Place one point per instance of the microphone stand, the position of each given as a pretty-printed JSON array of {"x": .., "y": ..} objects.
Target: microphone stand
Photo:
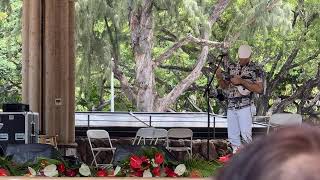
[{"x": 207, "y": 95}]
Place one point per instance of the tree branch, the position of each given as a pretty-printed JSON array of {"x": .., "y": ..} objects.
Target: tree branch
[
  {"x": 313, "y": 17},
  {"x": 170, "y": 34},
  {"x": 128, "y": 90},
  {"x": 275, "y": 64},
  {"x": 189, "y": 38},
  {"x": 283, "y": 72},
  {"x": 295, "y": 17},
  {"x": 313, "y": 56},
  {"x": 179, "y": 68},
  {"x": 205, "y": 70},
  {"x": 101, "y": 105},
  {"x": 313, "y": 101},
  {"x": 5, "y": 88},
  {"x": 164, "y": 102},
  {"x": 298, "y": 93},
  {"x": 194, "y": 105}
]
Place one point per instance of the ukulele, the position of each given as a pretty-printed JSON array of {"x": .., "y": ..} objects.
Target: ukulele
[
  {"x": 226, "y": 76},
  {"x": 241, "y": 89}
]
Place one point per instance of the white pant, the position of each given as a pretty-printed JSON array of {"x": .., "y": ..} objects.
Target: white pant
[{"x": 239, "y": 122}]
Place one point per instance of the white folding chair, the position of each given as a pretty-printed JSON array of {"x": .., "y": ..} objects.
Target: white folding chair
[
  {"x": 159, "y": 134},
  {"x": 284, "y": 119},
  {"x": 99, "y": 134},
  {"x": 180, "y": 133},
  {"x": 144, "y": 133}
]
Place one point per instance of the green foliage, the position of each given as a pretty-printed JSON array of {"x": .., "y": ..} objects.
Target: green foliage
[
  {"x": 269, "y": 31},
  {"x": 10, "y": 51},
  {"x": 252, "y": 18},
  {"x": 206, "y": 168},
  {"x": 103, "y": 32}
]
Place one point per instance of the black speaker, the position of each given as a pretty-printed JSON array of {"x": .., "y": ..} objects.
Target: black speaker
[{"x": 15, "y": 107}]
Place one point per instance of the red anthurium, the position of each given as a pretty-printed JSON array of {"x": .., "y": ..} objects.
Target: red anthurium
[
  {"x": 156, "y": 171},
  {"x": 158, "y": 158},
  {"x": 144, "y": 159},
  {"x": 61, "y": 168},
  {"x": 224, "y": 159},
  {"x": 4, "y": 172},
  {"x": 70, "y": 172},
  {"x": 135, "y": 162},
  {"x": 145, "y": 163},
  {"x": 102, "y": 173},
  {"x": 170, "y": 172}
]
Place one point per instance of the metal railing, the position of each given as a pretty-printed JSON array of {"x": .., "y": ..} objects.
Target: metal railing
[{"x": 141, "y": 119}]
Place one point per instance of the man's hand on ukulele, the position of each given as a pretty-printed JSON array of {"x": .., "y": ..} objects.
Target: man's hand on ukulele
[{"x": 236, "y": 80}]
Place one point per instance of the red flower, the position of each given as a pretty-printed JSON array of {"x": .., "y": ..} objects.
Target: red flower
[
  {"x": 170, "y": 172},
  {"x": 138, "y": 173},
  {"x": 135, "y": 162},
  {"x": 101, "y": 173},
  {"x": 224, "y": 159},
  {"x": 158, "y": 158},
  {"x": 145, "y": 163},
  {"x": 61, "y": 168},
  {"x": 70, "y": 172},
  {"x": 4, "y": 172},
  {"x": 144, "y": 159},
  {"x": 156, "y": 171}
]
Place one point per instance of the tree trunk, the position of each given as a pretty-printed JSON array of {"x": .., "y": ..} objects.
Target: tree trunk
[
  {"x": 141, "y": 24},
  {"x": 262, "y": 105}
]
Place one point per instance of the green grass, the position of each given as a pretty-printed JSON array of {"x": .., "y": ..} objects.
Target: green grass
[{"x": 206, "y": 168}]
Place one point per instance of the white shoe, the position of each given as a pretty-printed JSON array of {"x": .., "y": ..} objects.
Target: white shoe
[{"x": 234, "y": 149}]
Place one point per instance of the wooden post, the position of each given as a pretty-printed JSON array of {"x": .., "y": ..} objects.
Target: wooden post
[
  {"x": 48, "y": 79},
  {"x": 25, "y": 51},
  {"x": 72, "y": 65}
]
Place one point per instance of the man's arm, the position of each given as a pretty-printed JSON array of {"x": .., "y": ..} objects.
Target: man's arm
[
  {"x": 222, "y": 83},
  {"x": 256, "y": 87}
]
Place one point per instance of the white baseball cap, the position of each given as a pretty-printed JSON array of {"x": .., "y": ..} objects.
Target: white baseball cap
[{"x": 244, "y": 51}]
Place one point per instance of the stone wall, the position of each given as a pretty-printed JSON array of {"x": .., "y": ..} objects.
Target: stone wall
[{"x": 199, "y": 148}]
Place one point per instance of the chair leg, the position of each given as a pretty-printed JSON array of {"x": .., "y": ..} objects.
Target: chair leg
[
  {"x": 189, "y": 153},
  {"x": 139, "y": 141},
  {"x": 95, "y": 158},
  {"x": 134, "y": 140},
  {"x": 112, "y": 156}
]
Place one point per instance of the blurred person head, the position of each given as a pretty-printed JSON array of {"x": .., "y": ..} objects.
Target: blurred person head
[
  {"x": 244, "y": 53},
  {"x": 290, "y": 153}
]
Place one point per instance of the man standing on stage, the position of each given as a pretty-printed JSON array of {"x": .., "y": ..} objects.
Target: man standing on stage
[{"x": 240, "y": 81}]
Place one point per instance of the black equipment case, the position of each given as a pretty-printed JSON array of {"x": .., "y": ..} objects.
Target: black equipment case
[{"x": 19, "y": 128}]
